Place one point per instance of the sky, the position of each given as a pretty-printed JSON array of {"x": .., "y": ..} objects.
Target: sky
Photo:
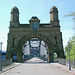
[{"x": 39, "y": 8}]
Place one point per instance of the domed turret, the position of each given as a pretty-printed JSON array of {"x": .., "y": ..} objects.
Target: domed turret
[
  {"x": 53, "y": 9},
  {"x": 14, "y": 16},
  {"x": 15, "y": 10},
  {"x": 54, "y": 14}
]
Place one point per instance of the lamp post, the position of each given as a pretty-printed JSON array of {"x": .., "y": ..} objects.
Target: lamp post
[
  {"x": 1, "y": 55},
  {"x": 69, "y": 55}
]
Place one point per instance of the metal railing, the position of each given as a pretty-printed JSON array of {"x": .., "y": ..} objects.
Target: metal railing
[
  {"x": 66, "y": 62},
  {"x": 5, "y": 63}
]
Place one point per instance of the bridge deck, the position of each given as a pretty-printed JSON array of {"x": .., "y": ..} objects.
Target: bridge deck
[{"x": 39, "y": 69}]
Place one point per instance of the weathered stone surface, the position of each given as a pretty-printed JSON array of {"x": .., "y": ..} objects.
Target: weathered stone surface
[{"x": 49, "y": 33}]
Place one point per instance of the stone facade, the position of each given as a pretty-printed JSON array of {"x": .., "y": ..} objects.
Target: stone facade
[{"x": 48, "y": 32}]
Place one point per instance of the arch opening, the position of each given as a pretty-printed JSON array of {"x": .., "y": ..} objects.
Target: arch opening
[
  {"x": 34, "y": 50},
  {"x": 40, "y": 37},
  {"x": 56, "y": 56}
]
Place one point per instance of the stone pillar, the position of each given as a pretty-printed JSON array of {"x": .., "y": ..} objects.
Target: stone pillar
[
  {"x": 30, "y": 47},
  {"x": 50, "y": 57},
  {"x": 19, "y": 57}
]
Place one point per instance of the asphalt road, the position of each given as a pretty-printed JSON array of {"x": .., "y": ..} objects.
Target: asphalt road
[{"x": 36, "y": 69}]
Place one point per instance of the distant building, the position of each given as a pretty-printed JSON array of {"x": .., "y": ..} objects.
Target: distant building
[{"x": 3, "y": 55}]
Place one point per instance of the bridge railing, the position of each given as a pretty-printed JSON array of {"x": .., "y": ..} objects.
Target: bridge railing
[
  {"x": 66, "y": 62},
  {"x": 5, "y": 62}
]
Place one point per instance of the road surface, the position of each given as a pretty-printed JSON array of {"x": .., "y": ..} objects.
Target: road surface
[{"x": 36, "y": 69}]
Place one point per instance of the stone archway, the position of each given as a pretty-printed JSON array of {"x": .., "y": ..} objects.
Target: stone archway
[
  {"x": 35, "y": 35},
  {"x": 48, "y": 32}
]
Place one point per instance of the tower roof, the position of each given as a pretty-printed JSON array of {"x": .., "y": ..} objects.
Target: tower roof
[
  {"x": 34, "y": 17},
  {"x": 15, "y": 10},
  {"x": 53, "y": 9}
]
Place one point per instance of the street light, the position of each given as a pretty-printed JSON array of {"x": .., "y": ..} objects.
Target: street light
[
  {"x": 1, "y": 55},
  {"x": 69, "y": 55}
]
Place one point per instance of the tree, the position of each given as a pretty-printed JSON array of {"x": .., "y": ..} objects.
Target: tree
[
  {"x": 72, "y": 49},
  {"x": 72, "y": 14},
  {"x": 72, "y": 40}
]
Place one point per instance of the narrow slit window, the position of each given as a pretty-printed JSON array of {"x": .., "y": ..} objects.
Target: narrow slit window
[
  {"x": 13, "y": 41},
  {"x": 55, "y": 40}
]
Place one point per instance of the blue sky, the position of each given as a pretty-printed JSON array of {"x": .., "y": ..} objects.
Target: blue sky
[{"x": 39, "y": 8}]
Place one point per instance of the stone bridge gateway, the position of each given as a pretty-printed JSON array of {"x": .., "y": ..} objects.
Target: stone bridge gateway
[{"x": 48, "y": 32}]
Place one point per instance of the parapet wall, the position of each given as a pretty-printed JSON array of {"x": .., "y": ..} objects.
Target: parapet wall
[{"x": 66, "y": 62}]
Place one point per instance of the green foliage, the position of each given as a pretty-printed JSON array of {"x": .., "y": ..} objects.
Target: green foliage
[
  {"x": 72, "y": 14},
  {"x": 55, "y": 56},
  {"x": 66, "y": 51},
  {"x": 72, "y": 49}
]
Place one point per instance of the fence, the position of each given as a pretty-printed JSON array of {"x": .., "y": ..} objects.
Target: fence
[
  {"x": 5, "y": 62},
  {"x": 66, "y": 62}
]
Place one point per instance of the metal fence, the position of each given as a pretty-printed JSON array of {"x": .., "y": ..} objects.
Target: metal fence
[
  {"x": 66, "y": 62},
  {"x": 5, "y": 62}
]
